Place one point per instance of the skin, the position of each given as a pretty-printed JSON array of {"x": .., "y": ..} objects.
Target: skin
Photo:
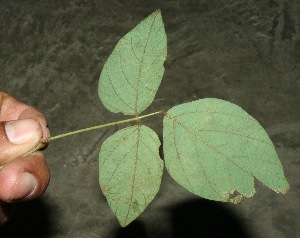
[{"x": 17, "y": 167}]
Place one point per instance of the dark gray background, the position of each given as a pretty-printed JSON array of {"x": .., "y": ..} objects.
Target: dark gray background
[{"x": 243, "y": 51}]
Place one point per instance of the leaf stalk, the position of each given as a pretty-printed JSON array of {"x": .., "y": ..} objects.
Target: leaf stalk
[{"x": 103, "y": 126}]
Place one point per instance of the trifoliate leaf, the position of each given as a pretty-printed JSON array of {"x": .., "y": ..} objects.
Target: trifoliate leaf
[
  {"x": 133, "y": 72},
  {"x": 130, "y": 171},
  {"x": 215, "y": 149}
]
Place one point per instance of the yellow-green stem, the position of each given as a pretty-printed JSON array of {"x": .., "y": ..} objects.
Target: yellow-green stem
[{"x": 103, "y": 126}]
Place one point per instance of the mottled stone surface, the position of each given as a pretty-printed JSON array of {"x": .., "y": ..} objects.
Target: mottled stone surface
[{"x": 246, "y": 52}]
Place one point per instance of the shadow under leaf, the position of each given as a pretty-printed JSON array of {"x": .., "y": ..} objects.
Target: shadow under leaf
[{"x": 204, "y": 218}]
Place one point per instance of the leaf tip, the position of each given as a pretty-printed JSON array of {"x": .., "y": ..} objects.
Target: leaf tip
[
  {"x": 283, "y": 190},
  {"x": 158, "y": 11},
  {"x": 123, "y": 224},
  {"x": 236, "y": 197}
]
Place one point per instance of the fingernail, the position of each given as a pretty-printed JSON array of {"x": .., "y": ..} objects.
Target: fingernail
[
  {"x": 25, "y": 186},
  {"x": 22, "y": 131}
]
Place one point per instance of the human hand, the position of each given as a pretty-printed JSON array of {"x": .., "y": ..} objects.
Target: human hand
[{"x": 22, "y": 177}]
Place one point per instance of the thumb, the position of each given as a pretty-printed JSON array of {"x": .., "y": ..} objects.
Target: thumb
[{"x": 18, "y": 137}]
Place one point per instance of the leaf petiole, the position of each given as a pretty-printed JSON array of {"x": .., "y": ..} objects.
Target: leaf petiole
[{"x": 104, "y": 125}]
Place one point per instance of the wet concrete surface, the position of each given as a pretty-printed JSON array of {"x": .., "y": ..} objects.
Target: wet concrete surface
[{"x": 246, "y": 52}]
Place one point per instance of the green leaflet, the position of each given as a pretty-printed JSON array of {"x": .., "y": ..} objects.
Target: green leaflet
[
  {"x": 133, "y": 72},
  {"x": 214, "y": 148},
  {"x": 130, "y": 171}
]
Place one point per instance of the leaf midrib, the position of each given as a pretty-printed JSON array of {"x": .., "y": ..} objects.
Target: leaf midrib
[{"x": 141, "y": 66}]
